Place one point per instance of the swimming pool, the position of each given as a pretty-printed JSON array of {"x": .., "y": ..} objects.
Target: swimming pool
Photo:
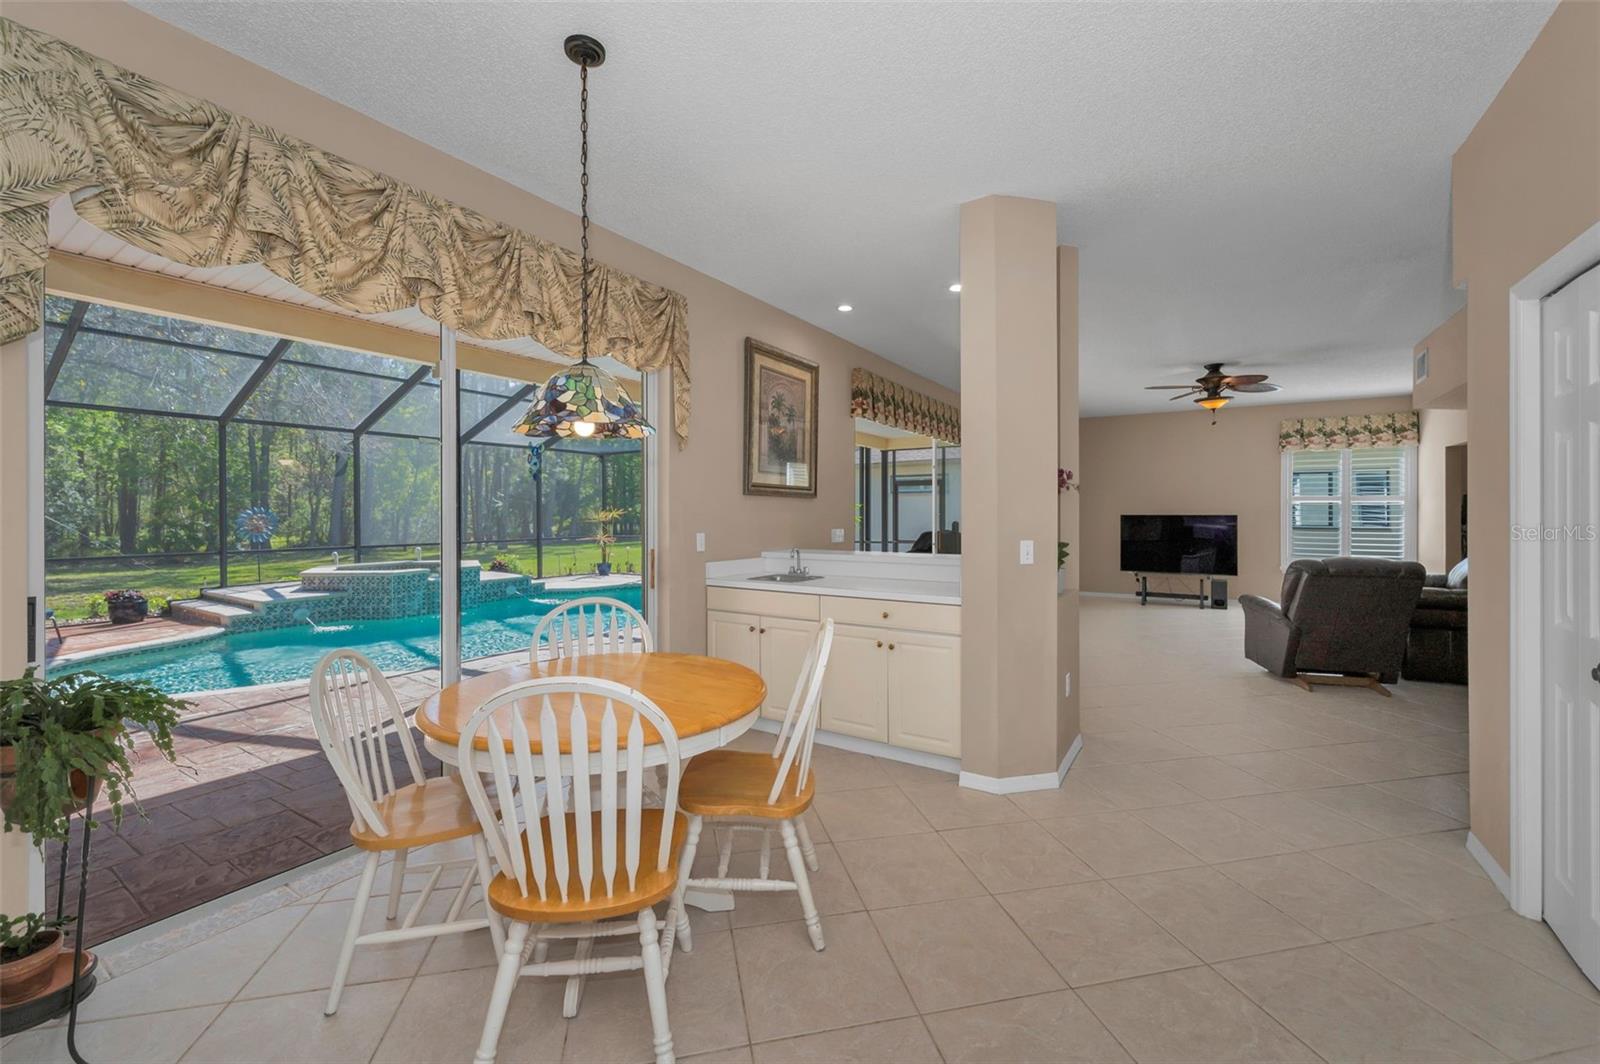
[{"x": 278, "y": 655}]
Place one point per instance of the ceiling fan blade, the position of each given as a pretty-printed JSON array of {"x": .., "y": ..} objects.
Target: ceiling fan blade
[
  {"x": 1257, "y": 387},
  {"x": 1165, "y": 387},
  {"x": 1244, "y": 378},
  {"x": 1185, "y": 395}
]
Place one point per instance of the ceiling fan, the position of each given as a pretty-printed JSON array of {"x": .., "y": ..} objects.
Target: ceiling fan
[{"x": 1208, "y": 390}]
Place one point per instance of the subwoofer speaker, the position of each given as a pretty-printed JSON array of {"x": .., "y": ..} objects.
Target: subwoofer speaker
[{"x": 1219, "y": 594}]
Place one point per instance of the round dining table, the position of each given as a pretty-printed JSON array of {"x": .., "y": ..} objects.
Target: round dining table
[{"x": 710, "y": 702}]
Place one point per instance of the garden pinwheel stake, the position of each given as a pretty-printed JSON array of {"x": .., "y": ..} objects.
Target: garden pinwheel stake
[{"x": 254, "y": 527}]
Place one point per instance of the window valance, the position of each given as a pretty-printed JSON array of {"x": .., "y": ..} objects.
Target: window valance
[
  {"x": 1357, "y": 430},
  {"x": 180, "y": 177},
  {"x": 882, "y": 400}
]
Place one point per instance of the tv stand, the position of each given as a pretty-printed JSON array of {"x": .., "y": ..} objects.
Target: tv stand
[{"x": 1145, "y": 594}]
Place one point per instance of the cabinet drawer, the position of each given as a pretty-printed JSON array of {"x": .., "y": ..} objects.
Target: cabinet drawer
[
  {"x": 885, "y": 613},
  {"x": 766, "y": 603}
]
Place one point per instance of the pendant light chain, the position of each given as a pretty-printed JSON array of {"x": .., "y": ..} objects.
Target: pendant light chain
[{"x": 583, "y": 159}]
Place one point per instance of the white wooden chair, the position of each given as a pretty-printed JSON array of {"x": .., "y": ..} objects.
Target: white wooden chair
[
  {"x": 747, "y": 791},
  {"x": 572, "y": 873},
  {"x": 592, "y": 626},
  {"x": 355, "y": 711}
]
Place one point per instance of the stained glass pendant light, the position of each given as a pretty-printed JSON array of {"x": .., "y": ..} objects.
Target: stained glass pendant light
[{"x": 583, "y": 400}]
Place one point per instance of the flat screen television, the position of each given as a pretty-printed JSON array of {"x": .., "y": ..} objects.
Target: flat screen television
[{"x": 1202, "y": 544}]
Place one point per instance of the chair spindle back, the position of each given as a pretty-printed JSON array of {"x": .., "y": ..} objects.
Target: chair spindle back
[
  {"x": 592, "y": 626},
  {"x": 354, "y": 711},
  {"x": 527, "y": 822},
  {"x": 799, "y": 731}
]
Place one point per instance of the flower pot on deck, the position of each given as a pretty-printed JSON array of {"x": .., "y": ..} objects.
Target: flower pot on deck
[
  {"x": 127, "y": 612},
  {"x": 22, "y": 978},
  {"x": 603, "y": 568}
]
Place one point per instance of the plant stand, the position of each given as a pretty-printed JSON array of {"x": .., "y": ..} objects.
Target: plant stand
[{"x": 64, "y": 991}]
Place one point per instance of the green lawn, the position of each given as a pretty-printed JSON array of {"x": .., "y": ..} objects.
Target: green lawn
[{"x": 73, "y": 590}]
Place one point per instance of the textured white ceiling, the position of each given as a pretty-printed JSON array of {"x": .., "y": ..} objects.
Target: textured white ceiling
[{"x": 1265, "y": 185}]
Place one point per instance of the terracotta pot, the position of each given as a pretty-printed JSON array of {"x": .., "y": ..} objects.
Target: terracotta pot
[
  {"x": 8, "y": 770},
  {"x": 24, "y": 977}
]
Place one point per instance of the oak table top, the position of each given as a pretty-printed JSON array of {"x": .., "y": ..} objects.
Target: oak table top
[{"x": 700, "y": 695}]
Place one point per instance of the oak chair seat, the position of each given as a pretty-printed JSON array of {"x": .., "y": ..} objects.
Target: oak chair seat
[
  {"x": 737, "y": 783},
  {"x": 651, "y": 885},
  {"x": 420, "y": 814}
]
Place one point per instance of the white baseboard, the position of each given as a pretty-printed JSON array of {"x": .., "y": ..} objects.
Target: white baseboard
[
  {"x": 875, "y": 749},
  {"x": 1040, "y": 781},
  {"x": 1491, "y": 867}
]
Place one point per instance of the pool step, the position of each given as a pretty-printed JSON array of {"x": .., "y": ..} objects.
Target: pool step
[{"x": 208, "y": 611}]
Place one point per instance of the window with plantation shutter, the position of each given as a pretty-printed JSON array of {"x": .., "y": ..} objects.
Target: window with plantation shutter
[{"x": 1358, "y": 502}]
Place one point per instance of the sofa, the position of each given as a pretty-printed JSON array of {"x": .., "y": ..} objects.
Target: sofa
[
  {"x": 1436, "y": 647},
  {"x": 1339, "y": 620}
]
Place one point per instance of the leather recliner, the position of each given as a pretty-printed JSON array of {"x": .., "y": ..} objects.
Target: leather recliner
[
  {"x": 1340, "y": 616},
  {"x": 1436, "y": 648}
]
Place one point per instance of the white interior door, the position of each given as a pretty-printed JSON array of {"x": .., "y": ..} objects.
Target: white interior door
[{"x": 1570, "y": 577}]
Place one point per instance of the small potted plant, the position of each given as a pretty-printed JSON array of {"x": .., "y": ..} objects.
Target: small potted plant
[
  {"x": 502, "y": 565},
  {"x": 603, "y": 520},
  {"x": 126, "y": 606},
  {"x": 57, "y": 735},
  {"x": 29, "y": 945}
]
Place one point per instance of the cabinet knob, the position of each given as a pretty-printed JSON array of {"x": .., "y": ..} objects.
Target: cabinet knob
[
  {"x": 763, "y": 631},
  {"x": 880, "y": 642},
  {"x": 891, "y": 646},
  {"x": 886, "y": 615},
  {"x": 752, "y": 627}
]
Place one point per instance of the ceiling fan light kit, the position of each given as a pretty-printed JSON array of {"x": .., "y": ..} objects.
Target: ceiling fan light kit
[{"x": 1209, "y": 388}]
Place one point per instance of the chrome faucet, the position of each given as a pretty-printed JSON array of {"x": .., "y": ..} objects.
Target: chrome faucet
[{"x": 797, "y": 569}]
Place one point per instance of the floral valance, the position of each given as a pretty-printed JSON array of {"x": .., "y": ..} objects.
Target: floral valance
[
  {"x": 1357, "y": 430},
  {"x": 882, "y": 400},
  {"x": 185, "y": 179}
]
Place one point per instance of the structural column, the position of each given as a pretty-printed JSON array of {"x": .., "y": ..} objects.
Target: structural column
[
  {"x": 1018, "y": 386},
  {"x": 21, "y": 572}
]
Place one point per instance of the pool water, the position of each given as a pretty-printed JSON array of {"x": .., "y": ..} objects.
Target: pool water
[{"x": 402, "y": 644}]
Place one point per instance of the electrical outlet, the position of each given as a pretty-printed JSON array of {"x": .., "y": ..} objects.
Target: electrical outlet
[
  {"x": 1067, "y": 687},
  {"x": 837, "y": 535},
  {"x": 1027, "y": 552},
  {"x": 700, "y": 542}
]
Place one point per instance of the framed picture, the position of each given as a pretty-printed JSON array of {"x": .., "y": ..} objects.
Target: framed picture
[{"x": 780, "y": 422}]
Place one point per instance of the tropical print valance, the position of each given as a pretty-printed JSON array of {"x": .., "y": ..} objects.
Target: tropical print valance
[
  {"x": 1357, "y": 430},
  {"x": 882, "y": 400},
  {"x": 181, "y": 177}
]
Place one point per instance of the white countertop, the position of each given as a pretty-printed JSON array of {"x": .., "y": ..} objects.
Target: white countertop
[{"x": 850, "y": 574}]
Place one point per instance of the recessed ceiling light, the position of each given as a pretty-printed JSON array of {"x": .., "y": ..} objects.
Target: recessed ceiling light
[
  {"x": 956, "y": 287},
  {"x": 845, "y": 308}
]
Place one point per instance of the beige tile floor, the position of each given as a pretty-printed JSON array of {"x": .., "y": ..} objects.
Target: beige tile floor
[{"x": 1234, "y": 870}]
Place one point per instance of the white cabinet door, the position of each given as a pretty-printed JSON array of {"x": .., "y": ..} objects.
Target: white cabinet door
[
  {"x": 734, "y": 636},
  {"x": 925, "y": 692},
  {"x": 1570, "y": 561},
  {"x": 855, "y": 689},
  {"x": 784, "y": 643}
]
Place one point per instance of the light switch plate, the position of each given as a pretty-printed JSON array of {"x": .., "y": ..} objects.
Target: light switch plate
[
  {"x": 1026, "y": 552},
  {"x": 1067, "y": 686},
  {"x": 700, "y": 542},
  {"x": 837, "y": 535}
]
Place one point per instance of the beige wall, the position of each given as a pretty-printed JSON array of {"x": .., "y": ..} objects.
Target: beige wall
[
  {"x": 1446, "y": 386},
  {"x": 1181, "y": 463},
  {"x": 701, "y": 485},
  {"x": 1524, "y": 185},
  {"x": 1438, "y": 494}
]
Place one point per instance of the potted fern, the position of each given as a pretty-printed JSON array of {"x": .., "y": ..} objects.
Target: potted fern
[
  {"x": 58, "y": 735},
  {"x": 29, "y": 945}
]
